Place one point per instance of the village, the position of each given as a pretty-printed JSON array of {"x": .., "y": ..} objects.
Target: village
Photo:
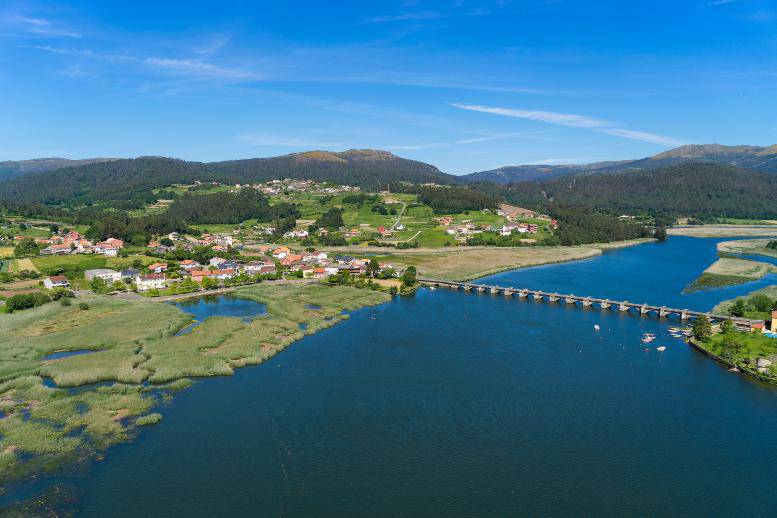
[{"x": 223, "y": 262}]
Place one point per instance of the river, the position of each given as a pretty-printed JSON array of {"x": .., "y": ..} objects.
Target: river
[{"x": 452, "y": 403}]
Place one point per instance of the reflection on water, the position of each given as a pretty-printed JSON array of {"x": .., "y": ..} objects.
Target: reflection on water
[{"x": 218, "y": 306}]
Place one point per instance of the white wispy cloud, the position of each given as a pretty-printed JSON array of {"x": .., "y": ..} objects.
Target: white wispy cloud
[
  {"x": 406, "y": 17},
  {"x": 721, "y": 2},
  {"x": 267, "y": 140},
  {"x": 643, "y": 136},
  {"x": 38, "y": 27},
  {"x": 576, "y": 121},
  {"x": 563, "y": 119},
  {"x": 199, "y": 68}
]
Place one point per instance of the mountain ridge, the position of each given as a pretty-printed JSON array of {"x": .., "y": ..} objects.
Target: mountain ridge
[
  {"x": 758, "y": 158},
  {"x": 134, "y": 178}
]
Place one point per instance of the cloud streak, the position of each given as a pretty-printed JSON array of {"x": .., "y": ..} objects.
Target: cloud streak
[
  {"x": 575, "y": 121},
  {"x": 406, "y": 17},
  {"x": 39, "y": 27},
  {"x": 185, "y": 67},
  {"x": 562, "y": 119},
  {"x": 643, "y": 136}
]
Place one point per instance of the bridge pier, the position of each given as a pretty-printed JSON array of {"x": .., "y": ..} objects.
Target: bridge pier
[{"x": 624, "y": 306}]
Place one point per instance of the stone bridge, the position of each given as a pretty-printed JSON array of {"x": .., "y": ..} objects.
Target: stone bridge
[{"x": 619, "y": 305}]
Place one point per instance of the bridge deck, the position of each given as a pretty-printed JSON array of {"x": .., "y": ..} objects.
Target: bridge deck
[{"x": 644, "y": 308}]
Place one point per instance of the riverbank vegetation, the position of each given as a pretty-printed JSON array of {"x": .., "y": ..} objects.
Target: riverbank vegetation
[
  {"x": 712, "y": 231},
  {"x": 470, "y": 263},
  {"x": 728, "y": 271},
  {"x": 765, "y": 247},
  {"x": 757, "y": 304},
  {"x": 67, "y": 408}
]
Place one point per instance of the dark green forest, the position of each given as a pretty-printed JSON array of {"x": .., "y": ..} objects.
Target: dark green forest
[
  {"x": 453, "y": 200},
  {"x": 224, "y": 207},
  {"x": 701, "y": 190}
]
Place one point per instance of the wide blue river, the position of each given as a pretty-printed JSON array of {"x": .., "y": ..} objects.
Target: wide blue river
[{"x": 456, "y": 404}]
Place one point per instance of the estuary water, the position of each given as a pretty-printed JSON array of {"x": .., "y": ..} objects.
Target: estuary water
[{"x": 464, "y": 404}]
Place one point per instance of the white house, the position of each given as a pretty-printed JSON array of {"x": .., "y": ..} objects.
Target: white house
[
  {"x": 106, "y": 250},
  {"x": 216, "y": 261},
  {"x": 223, "y": 274},
  {"x": 56, "y": 281},
  {"x": 259, "y": 267},
  {"x": 108, "y": 275},
  {"x": 152, "y": 281}
]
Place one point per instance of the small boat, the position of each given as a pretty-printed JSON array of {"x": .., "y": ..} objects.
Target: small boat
[
  {"x": 596, "y": 327},
  {"x": 432, "y": 288},
  {"x": 661, "y": 348},
  {"x": 648, "y": 339}
]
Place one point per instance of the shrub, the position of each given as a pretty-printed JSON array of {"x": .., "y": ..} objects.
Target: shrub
[
  {"x": 149, "y": 419},
  {"x": 26, "y": 301},
  {"x": 64, "y": 301},
  {"x": 83, "y": 306}
]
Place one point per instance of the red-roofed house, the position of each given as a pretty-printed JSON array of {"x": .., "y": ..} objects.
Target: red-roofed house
[
  {"x": 157, "y": 267},
  {"x": 198, "y": 275}
]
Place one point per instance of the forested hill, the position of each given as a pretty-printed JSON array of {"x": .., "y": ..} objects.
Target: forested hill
[
  {"x": 759, "y": 158},
  {"x": 693, "y": 189},
  {"x": 13, "y": 168},
  {"x": 135, "y": 178}
]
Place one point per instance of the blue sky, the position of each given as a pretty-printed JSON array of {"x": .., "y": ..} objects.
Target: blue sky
[{"x": 463, "y": 85}]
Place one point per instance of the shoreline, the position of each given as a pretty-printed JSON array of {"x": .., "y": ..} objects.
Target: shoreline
[{"x": 731, "y": 366}]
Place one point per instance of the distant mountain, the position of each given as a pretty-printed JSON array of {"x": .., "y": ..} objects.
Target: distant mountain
[
  {"x": 522, "y": 173},
  {"x": 13, "y": 168},
  {"x": 751, "y": 157},
  {"x": 134, "y": 178},
  {"x": 691, "y": 188}
]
